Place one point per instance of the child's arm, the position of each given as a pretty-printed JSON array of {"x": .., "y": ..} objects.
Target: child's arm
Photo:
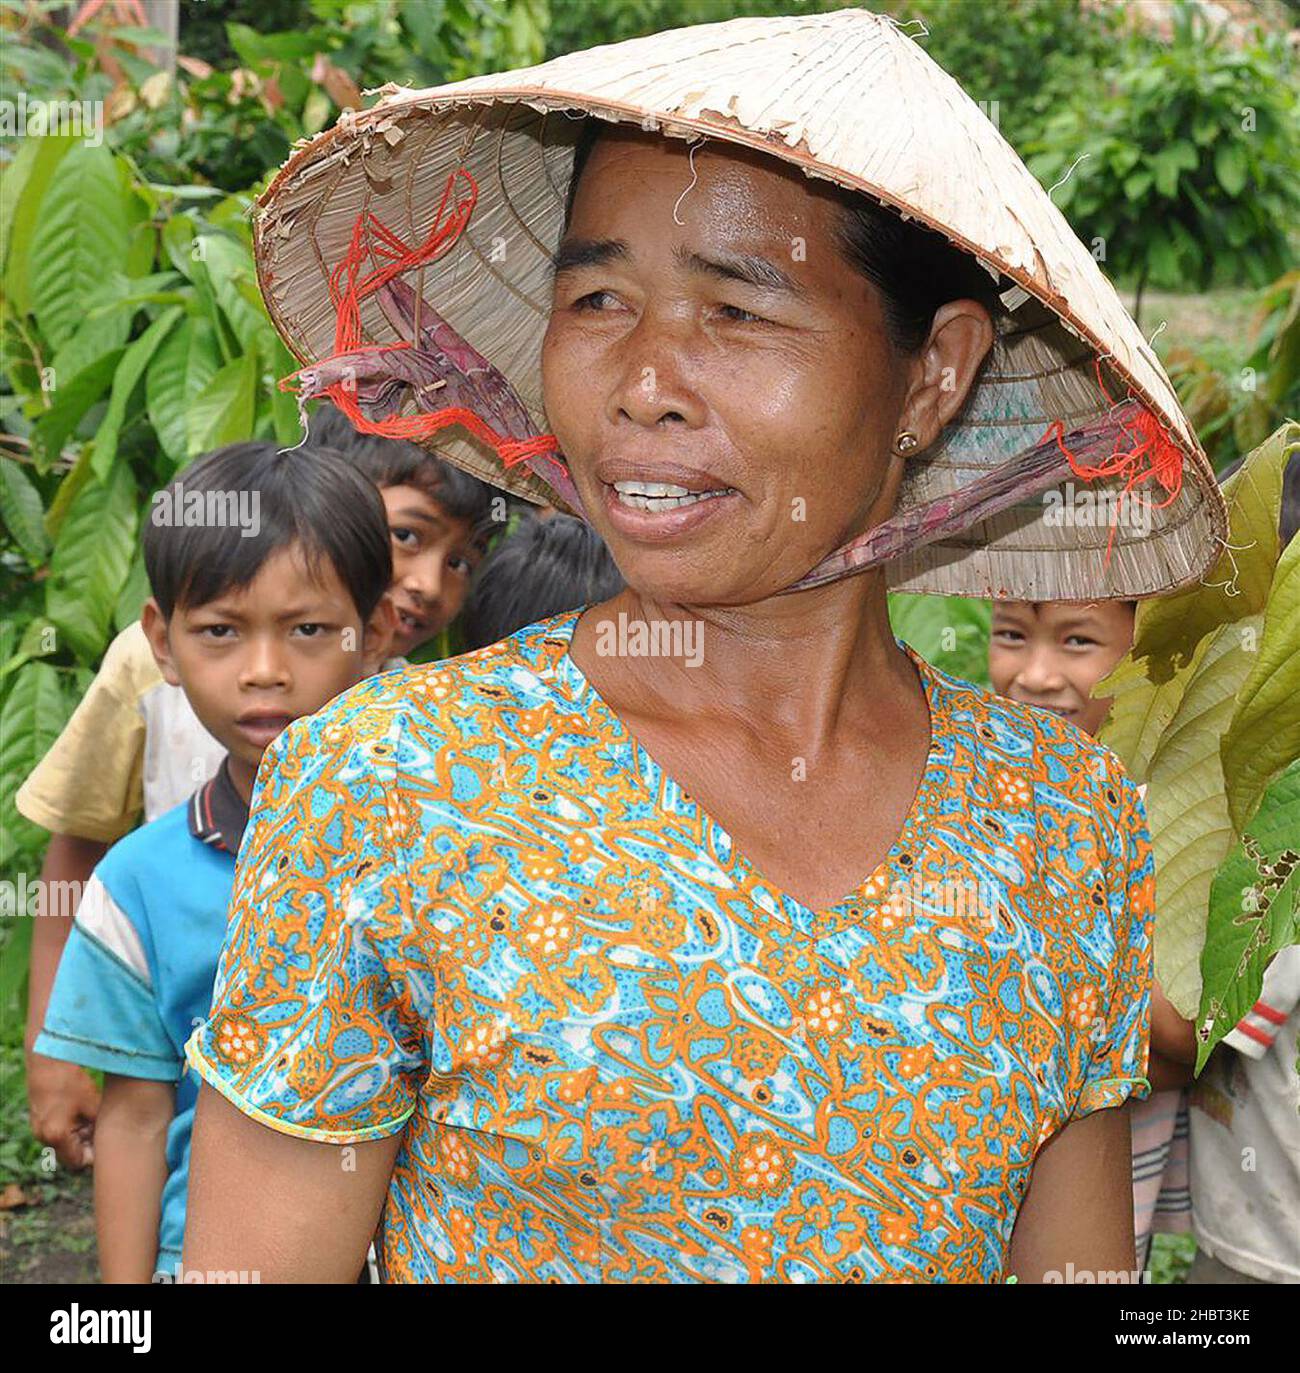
[
  {"x": 61, "y": 1097},
  {"x": 130, "y": 1171},
  {"x": 1173, "y": 1044}
]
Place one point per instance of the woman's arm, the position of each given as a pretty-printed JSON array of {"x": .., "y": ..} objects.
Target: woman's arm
[
  {"x": 316, "y": 1205},
  {"x": 130, "y": 1172},
  {"x": 1079, "y": 1206}
]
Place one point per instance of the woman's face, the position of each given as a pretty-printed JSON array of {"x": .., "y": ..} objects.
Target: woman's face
[{"x": 708, "y": 341}]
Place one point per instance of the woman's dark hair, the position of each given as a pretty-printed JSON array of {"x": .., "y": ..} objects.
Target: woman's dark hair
[
  {"x": 213, "y": 527},
  {"x": 394, "y": 462},
  {"x": 915, "y": 268},
  {"x": 545, "y": 567}
]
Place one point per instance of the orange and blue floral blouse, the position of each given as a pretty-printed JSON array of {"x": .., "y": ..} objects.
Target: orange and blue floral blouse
[{"x": 470, "y": 908}]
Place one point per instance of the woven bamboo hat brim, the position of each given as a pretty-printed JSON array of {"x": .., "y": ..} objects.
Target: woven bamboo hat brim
[{"x": 848, "y": 97}]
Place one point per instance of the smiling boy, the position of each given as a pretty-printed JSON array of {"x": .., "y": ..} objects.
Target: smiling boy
[{"x": 257, "y": 632}]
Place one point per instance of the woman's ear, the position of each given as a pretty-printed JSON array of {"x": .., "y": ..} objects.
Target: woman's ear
[
  {"x": 961, "y": 335},
  {"x": 378, "y": 635},
  {"x": 154, "y": 625}
]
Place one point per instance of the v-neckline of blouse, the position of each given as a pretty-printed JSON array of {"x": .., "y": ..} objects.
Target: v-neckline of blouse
[{"x": 901, "y": 863}]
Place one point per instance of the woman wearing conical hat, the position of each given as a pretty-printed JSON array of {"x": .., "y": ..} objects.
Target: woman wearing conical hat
[{"x": 707, "y": 933}]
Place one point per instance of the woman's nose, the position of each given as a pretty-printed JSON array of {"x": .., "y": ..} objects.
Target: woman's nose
[{"x": 653, "y": 385}]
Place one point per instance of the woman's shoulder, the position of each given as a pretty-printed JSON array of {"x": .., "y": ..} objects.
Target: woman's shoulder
[{"x": 1005, "y": 738}]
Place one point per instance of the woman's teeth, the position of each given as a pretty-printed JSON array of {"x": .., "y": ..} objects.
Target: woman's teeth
[{"x": 659, "y": 496}]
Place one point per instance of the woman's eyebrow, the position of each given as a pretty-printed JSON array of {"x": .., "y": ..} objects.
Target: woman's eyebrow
[
  {"x": 587, "y": 252},
  {"x": 743, "y": 267},
  {"x": 574, "y": 253}
]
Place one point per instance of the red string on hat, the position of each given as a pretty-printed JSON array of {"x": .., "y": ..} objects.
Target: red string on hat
[
  {"x": 371, "y": 238},
  {"x": 1154, "y": 454}
]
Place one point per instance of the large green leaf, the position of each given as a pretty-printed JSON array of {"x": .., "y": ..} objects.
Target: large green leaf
[
  {"x": 1254, "y": 911},
  {"x": 228, "y": 265},
  {"x": 1264, "y": 736},
  {"x": 1168, "y": 628},
  {"x": 1141, "y": 711},
  {"x": 84, "y": 233},
  {"x": 180, "y": 369},
  {"x": 135, "y": 592},
  {"x": 92, "y": 557},
  {"x": 129, "y": 371},
  {"x": 71, "y": 402},
  {"x": 1191, "y": 830},
  {"x": 952, "y": 632},
  {"x": 35, "y": 710},
  {"x": 22, "y": 189},
  {"x": 223, "y": 412},
  {"x": 22, "y": 512}
]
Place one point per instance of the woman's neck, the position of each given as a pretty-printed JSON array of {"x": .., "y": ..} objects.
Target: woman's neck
[{"x": 818, "y": 666}]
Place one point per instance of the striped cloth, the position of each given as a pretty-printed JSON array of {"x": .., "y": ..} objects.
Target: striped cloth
[{"x": 1162, "y": 1197}]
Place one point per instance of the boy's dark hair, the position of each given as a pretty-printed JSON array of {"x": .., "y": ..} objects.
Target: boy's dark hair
[
  {"x": 394, "y": 462},
  {"x": 546, "y": 566},
  {"x": 311, "y": 497}
]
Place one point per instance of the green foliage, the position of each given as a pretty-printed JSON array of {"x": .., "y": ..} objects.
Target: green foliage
[
  {"x": 1207, "y": 713},
  {"x": 1189, "y": 152},
  {"x": 1254, "y": 911},
  {"x": 136, "y": 340},
  {"x": 1235, "y": 398},
  {"x": 951, "y": 632}
]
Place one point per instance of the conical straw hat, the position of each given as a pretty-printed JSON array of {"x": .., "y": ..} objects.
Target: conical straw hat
[{"x": 848, "y": 97}]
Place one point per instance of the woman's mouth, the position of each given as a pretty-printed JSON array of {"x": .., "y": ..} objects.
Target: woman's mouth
[
  {"x": 657, "y": 497},
  {"x": 657, "y": 511}
]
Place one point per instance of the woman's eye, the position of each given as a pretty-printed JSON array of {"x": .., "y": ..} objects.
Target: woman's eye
[
  {"x": 458, "y": 563},
  {"x": 734, "y": 312},
  {"x": 592, "y": 301},
  {"x": 407, "y": 538}
]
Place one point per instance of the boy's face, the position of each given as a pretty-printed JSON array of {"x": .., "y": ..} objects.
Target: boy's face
[
  {"x": 434, "y": 555},
  {"x": 1053, "y": 653},
  {"x": 258, "y": 657}
]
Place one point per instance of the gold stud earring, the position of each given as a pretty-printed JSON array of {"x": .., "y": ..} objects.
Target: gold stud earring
[{"x": 905, "y": 443}]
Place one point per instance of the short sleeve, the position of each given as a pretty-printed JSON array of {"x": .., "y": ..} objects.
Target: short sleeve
[
  {"x": 321, "y": 999},
  {"x": 1121, "y": 1030},
  {"x": 103, "y": 1012},
  {"x": 103, "y": 740}
]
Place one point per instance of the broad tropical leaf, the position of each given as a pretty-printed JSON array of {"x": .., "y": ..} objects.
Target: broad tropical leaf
[
  {"x": 84, "y": 233},
  {"x": 22, "y": 189},
  {"x": 129, "y": 371},
  {"x": 1191, "y": 830},
  {"x": 34, "y": 712},
  {"x": 92, "y": 557},
  {"x": 1254, "y": 911},
  {"x": 223, "y": 412},
  {"x": 21, "y": 509},
  {"x": 180, "y": 369},
  {"x": 1265, "y": 732},
  {"x": 1168, "y": 628}
]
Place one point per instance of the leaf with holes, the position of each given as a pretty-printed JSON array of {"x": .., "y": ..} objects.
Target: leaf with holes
[{"x": 1254, "y": 912}]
